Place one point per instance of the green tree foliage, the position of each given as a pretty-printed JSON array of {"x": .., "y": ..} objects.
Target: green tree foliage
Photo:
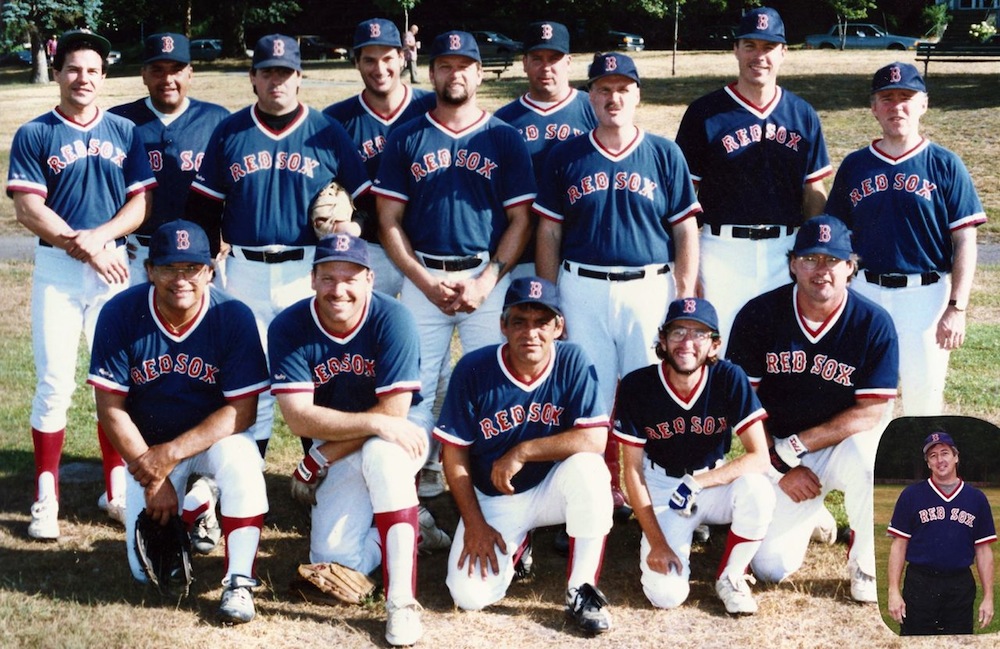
[
  {"x": 848, "y": 10},
  {"x": 37, "y": 19}
]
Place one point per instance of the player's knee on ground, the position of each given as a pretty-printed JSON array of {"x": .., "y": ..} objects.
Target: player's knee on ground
[
  {"x": 770, "y": 565},
  {"x": 753, "y": 505},
  {"x": 585, "y": 483},
  {"x": 665, "y": 591},
  {"x": 473, "y": 593}
]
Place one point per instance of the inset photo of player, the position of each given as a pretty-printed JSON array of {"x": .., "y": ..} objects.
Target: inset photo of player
[{"x": 935, "y": 526}]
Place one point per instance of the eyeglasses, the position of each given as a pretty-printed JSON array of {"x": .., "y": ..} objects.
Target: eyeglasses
[
  {"x": 812, "y": 262},
  {"x": 680, "y": 334},
  {"x": 192, "y": 271}
]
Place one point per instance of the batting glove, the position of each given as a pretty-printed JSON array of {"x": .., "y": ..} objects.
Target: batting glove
[
  {"x": 790, "y": 451},
  {"x": 307, "y": 476},
  {"x": 682, "y": 500}
]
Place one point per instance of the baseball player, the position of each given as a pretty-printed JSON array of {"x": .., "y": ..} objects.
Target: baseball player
[
  {"x": 345, "y": 370},
  {"x": 616, "y": 230},
  {"x": 261, "y": 170},
  {"x": 176, "y": 368},
  {"x": 80, "y": 179},
  {"x": 758, "y": 159},
  {"x": 453, "y": 194},
  {"x": 677, "y": 419},
  {"x": 824, "y": 361},
  {"x": 385, "y": 103},
  {"x": 523, "y": 429},
  {"x": 913, "y": 211},
  {"x": 940, "y": 527}
]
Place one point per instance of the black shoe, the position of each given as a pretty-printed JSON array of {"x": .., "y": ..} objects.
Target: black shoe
[
  {"x": 586, "y": 605},
  {"x": 561, "y": 543},
  {"x": 524, "y": 562}
]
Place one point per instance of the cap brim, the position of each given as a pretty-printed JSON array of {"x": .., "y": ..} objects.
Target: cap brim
[
  {"x": 757, "y": 36},
  {"x": 179, "y": 258},
  {"x": 614, "y": 74},
  {"x": 550, "y": 307},
  {"x": 277, "y": 63},
  {"x": 898, "y": 86},
  {"x": 166, "y": 57},
  {"x": 101, "y": 44},
  {"x": 839, "y": 253},
  {"x": 546, "y": 46},
  {"x": 351, "y": 260}
]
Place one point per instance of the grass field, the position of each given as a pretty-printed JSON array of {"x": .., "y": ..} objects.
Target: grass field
[{"x": 78, "y": 592}]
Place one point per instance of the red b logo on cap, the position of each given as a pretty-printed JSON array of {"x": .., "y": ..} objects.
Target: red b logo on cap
[
  {"x": 343, "y": 243},
  {"x": 610, "y": 63},
  {"x": 895, "y": 75},
  {"x": 374, "y": 30},
  {"x": 182, "y": 240},
  {"x": 279, "y": 48},
  {"x": 454, "y": 42},
  {"x": 825, "y": 234},
  {"x": 167, "y": 44},
  {"x": 535, "y": 290},
  {"x": 546, "y": 32},
  {"x": 690, "y": 306},
  {"x": 762, "y": 22}
]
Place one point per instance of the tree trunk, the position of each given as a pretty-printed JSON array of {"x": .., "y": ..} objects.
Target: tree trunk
[
  {"x": 39, "y": 60},
  {"x": 234, "y": 15}
]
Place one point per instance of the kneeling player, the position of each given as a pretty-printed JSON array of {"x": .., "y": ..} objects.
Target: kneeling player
[
  {"x": 676, "y": 419},
  {"x": 523, "y": 434},
  {"x": 177, "y": 366},
  {"x": 345, "y": 371}
]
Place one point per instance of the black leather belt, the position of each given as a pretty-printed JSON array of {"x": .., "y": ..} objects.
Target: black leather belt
[
  {"x": 120, "y": 241},
  {"x": 623, "y": 276},
  {"x": 755, "y": 232},
  {"x": 676, "y": 473},
  {"x": 294, "y": 254},
  {"x": 452, "y": 265},
  {"x": 901, "y": 281}
]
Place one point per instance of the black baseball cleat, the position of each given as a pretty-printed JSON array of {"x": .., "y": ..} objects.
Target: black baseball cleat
[{"x": 586, "y": 605}]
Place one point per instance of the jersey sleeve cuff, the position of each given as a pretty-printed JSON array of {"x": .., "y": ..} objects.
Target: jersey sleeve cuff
[
  {"x": 693, "y": 209},
  {"x": 758, "y": 415},
  {"x": 629, "y": 440},
  {"x": 892, "y": 531},
  {"x": 875, "y": 393},
  {"x": 546, "y": 213},
  {"x": 287, "y": 388},
  {"x": 105, "y": 385},
  {"x": 400, "y": 386},
  {"x": 244, "y": 392},
  {"x": 452, "y": 440},
  {"x": 390, "y": 195}
]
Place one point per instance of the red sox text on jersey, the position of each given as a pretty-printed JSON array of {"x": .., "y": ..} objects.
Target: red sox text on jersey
[
  {"x": 560, "y": 132},
  {"x": 464, "y": 159},
  {"x": 263, "y": 160},
  {"x": 505, "y": 420},
  {"x": 742, "y": 137},
  {"x": 911, "y": 183},
  {"x": 938, "y": 514},
  {"x": 195, "y": 367},
  {"x": 348, "y": 364},
  {"x": 797, "y": 362},
  {"x": 371, "y": 148},
  {"x": 623, "y": 181},
  {"x": 189, "y": 160},
  {"x": 76, "y": 150},
  {"x": 681, "y": 426}
]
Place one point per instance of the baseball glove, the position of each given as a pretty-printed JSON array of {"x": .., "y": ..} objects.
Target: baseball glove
[
  {"x": 332, "y": 205},
  {"x": 344, "y": 584},
  {"x": 165, "y": 554}
]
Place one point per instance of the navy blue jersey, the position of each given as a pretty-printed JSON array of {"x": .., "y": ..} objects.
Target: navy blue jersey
[
  {"x": 456, "y": 185},
  {"x": 172, "y": 382},
  {"x": 85, "y": 172},
  {"x": 806, "y": 376},
  {"x": 346, "y": 372},
  {"x": 489, "y": 411},
  {"x": 902, "y": 211},
  {"x": 268, "y": 179},
  {"x": 617, "y": 209},
  {"x": 175, "y": 151},
  {"x": 942, "y": 531},
  {"x": 685, "y": 432},
  {"x": 751, "y": 162}
]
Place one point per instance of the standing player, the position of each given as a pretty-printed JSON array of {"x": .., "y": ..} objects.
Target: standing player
[
  {"x": 262, "y": 168},
  {"x": 345, "y": 368},
  {"x": 453, "y": 192},
  {"x": 385, "y": 103},
  {"x": 176, "y": 369},
  {"x": 677, "y": 419},
  {"x": 758, "y": 159},
  {"x": 79, "y": 179},
  {"x": 940, "y": 527},
  {"x": 913, "y": 211},
  {"x": 175, "y": 130},
  {"x": 825, "y": 362},
  {"x": 410, "y": 47},
  {"x": 523, "y": 428},
  {"x": 617, "y": 207}
]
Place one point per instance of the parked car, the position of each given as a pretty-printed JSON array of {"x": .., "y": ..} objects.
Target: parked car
[
  {"x": 492, "y": 44},
  {"x": 625, "y": 41},
  {"x": 16, "y": 59},
  {"x": 861, "y": 36},
  {"x": 314, "y": 47},
  {"x": 713, "y": 37},
  {"x": 206, "y": 49},
  {"x": 114, "y": 56}
]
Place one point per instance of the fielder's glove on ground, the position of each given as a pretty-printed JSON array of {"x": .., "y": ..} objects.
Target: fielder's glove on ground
[
  {"x": 307, "y": 476},
  {"x": 332, "y": 205},
  {"x": 682, "y": 500},
  {"x": 346, "y": 585},
  {"x": 165, "y": 553}
]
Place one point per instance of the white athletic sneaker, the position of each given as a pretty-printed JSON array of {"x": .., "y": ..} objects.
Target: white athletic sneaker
[
  {"x": 237, "y": 606},
  {"x": 431, "y": 483},
  {"x": 825, "y": 531},
  {"x": 402, "y": 625},
  {"x": 44, "y": 519},
  {"x": 735, "y": 594},
  {"x": 431, "y": 536},
  {"x": 862, "y": 585}
]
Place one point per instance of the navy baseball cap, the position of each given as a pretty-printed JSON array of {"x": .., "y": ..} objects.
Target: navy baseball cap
[
  {"x": 277, "y": 51},
  {"x": 898, "y": 75},
  {"x": 100, "y": 44},
  {"x": 547, "y": 36},
  {"x": 455, "y": 43},
  {"x": 823, "y": 235},
  {"x": 611, "y": 63},
  {"x": 938, "y": 438},
  {"x": 533, "y": 290},
  {"x": 376, "y": 31},
  {"x": 693, "y": 308},
  {"x": 342, "y": 247},
  {"x": 166, "y": 47},
  {"x": 179, "y": 241},
  {"x": 762, "y": 24}
]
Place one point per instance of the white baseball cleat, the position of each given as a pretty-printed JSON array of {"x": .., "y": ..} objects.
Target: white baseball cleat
[
  {"x": 431, "y": 536},
  {"x": 44, "y": 519},
  {"x": 735, "y": 594},
  {"x": 403, "y": 627},
  {"x": 862, "y": 585},
  {"x": 825, "y": 531},
  {"x": 237, "y": 606}
]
